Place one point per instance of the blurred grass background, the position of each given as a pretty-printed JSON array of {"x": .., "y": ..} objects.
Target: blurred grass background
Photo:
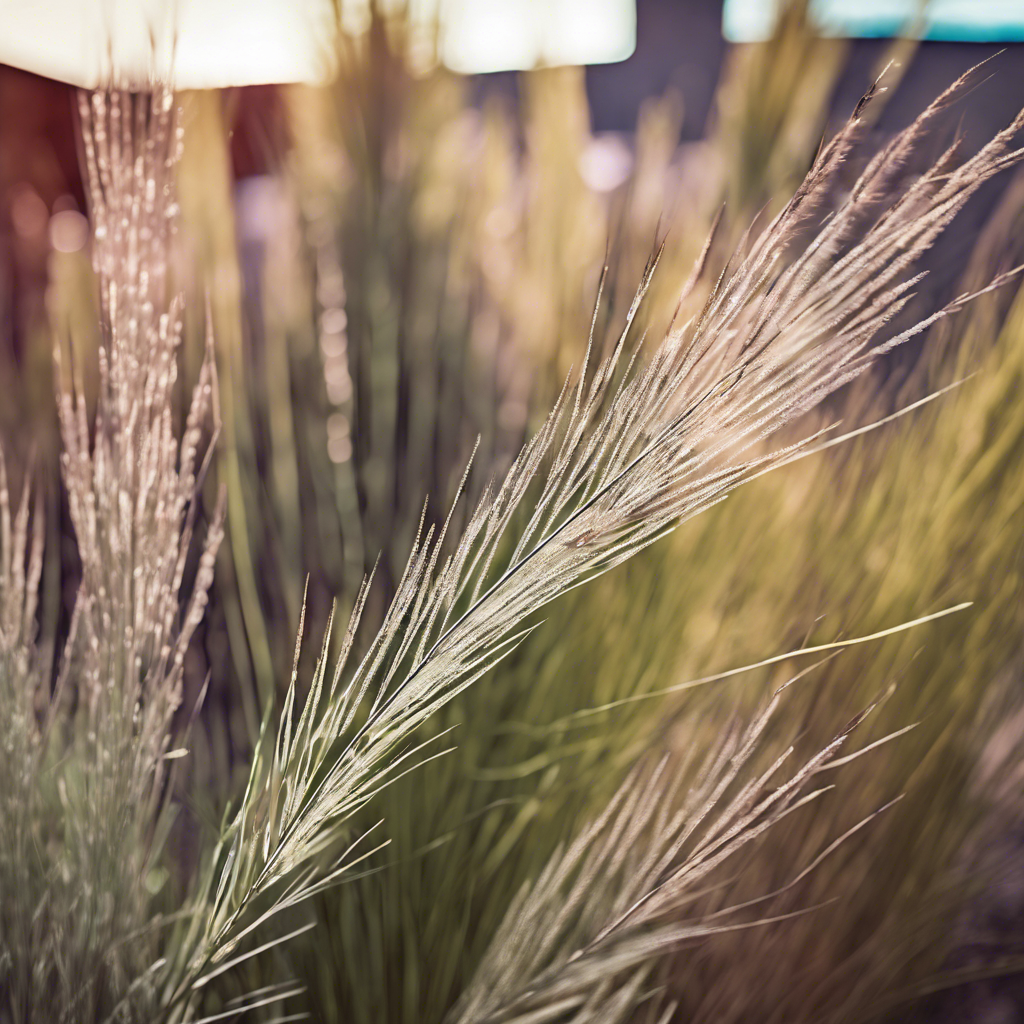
[{"x": 417, "y": 269}]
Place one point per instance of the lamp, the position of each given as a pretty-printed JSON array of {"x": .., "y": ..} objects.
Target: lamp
[
  {"x": 219, "y": 43},
  {"x": 518, "y": 35},
  {"x": 213, "y": 43}
]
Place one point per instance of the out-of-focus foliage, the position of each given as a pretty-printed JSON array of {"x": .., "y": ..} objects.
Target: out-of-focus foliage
[{"x": 772, "y": 105}]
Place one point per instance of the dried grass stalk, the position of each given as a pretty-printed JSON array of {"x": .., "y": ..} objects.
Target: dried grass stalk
[{"x": 584, "y": 938}]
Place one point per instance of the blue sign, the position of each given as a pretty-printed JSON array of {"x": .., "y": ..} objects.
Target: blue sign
[{"x": 974, "y": 21}]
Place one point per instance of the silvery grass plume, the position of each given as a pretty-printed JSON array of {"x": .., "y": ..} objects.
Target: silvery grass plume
[
  {"x": 631, "y": 448},
  {"x": 585, "y": 937},
  {"x": 131, "y": 494},
  {"x": 21, "y": 564},
  {"x": 131, "y": 491}
]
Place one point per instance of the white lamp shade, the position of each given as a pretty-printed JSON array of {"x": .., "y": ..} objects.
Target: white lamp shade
[
  {"x": 201, "y": 44},
  {"x": 210, "y": 44},
  {"x": 508, "y": 35}
]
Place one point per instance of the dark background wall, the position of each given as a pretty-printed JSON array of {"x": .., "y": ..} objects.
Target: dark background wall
[{"x": 679, "y": 43}]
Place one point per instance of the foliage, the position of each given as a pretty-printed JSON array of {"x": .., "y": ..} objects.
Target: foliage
[{"x": 712, "y": 848}]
